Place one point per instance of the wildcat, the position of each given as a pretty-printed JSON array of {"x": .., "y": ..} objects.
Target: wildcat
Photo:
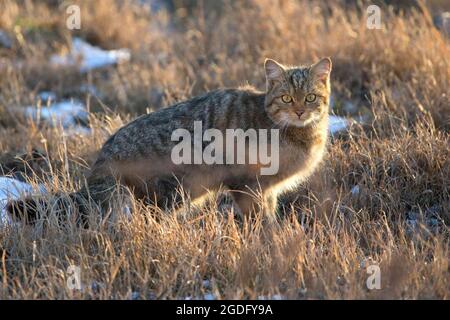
[{"x": 138, "y": 155}]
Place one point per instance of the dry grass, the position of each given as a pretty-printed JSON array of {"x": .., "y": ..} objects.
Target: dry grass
[{"x": 327, "y": 235}]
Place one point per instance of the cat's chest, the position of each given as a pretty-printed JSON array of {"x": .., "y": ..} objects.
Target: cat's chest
[
  {"x": 295, "y": 157},
  {"x": 297, "y": 163}
]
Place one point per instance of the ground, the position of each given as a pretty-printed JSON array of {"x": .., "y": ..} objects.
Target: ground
[{"x": 380, "y": 198}]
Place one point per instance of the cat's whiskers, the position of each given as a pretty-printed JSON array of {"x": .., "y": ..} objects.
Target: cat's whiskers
[{"x": 282, "y": 126}]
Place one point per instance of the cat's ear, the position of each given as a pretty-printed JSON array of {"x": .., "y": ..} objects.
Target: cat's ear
[
  {"x": 321, "y": 70},
  {"x": 274, "y": 72}
]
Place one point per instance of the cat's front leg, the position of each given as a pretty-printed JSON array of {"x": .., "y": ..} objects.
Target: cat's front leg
[
  {"x": 270, "y": 199},
  {"x": 250, "y": 203}
]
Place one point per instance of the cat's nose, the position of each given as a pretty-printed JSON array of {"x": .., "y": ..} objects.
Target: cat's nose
[{"x": 299, "y": 113}]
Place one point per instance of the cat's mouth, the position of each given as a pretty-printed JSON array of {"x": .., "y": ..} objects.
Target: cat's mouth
[
  {"x": 301, "y": 118},
  {"x": 297, "y": 118}
]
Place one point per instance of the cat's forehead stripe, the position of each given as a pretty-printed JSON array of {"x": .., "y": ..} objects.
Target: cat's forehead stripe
[{"x": 298, "y": 77}]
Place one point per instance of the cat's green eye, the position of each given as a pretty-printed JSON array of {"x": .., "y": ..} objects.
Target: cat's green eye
[
  {"x": 286, "y": 98},
  {"x": 310, "y": 97}
]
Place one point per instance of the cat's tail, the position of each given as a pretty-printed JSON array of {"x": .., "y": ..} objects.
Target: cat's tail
[
  {"x": 64, "y": 207},
  {"x": 77, "y": 206},
  {"x": 23, "y": 209}
]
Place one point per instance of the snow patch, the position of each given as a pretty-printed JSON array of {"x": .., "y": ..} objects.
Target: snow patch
[
  {"x": 89, "y": 57},
  {"x": 5, "y": 40},
  {"x": 46, "y": 97},
  {"x": 90, "y": 89},
  {"x": 355, "y": 190},
  {"x": 428, "y": 218},
  {"x": 157, "y": 5},
  {"x": 350, "y": 107},
  {"x": 337, "y": 124},
  {"x": 68, "y": 113},
  {"x": 135, "y": 295},
  {"x": 206, "y": 284},
  {"x": 77, "y": 130},
  {"x": 208, "y": 295}
]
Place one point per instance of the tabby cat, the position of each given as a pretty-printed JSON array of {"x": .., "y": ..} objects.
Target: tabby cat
[{"x": 139, "y": 154}]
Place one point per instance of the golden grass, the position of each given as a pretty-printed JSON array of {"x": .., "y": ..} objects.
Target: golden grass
[{"x": 327, "y": 235}]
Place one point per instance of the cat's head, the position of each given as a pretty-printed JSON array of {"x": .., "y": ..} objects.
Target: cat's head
[{"x": 297, "y": 96}]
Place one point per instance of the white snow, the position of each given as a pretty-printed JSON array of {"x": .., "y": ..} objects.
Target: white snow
[
  {"x": 89, "y": 57},
  {"x": 337, "y": 124},
  {"x": 209, "y": 296},
  {"x": 91, "y": 89},
  {"x": 156, "y": 5},
  {"x": 70, "y": 114},
  {"x": 355, "y": 190},
  {"x": 350, "y": 107},
  {"x": 46, "y": 96},
  {"x": 65, "y": 112},
  {"x": 135, "y": 295},
  {"x": 428, "y": 218},
  {"x": 11, "y": 189},
  {"x": 206, "y": 284},
  {"x": 77, "y": 130},
  {"x": 5, "y": 40}
]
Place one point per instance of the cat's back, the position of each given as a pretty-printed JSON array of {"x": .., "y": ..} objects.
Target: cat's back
[
  {"x": 220, "y": 109},
  {"x": 208, "y": 108}
]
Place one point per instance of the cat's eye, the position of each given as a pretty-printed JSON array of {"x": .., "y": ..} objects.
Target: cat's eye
[
  {"x": 310, "y": 97},
  {"x": 286, "y": 98}
]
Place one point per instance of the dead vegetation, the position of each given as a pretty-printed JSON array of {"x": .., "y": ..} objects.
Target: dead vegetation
[{"x": 381, "y": 197}]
